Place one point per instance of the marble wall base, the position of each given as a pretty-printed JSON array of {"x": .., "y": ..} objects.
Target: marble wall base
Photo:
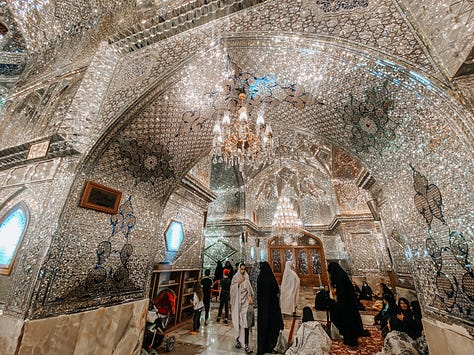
[
  {"x": 114, "y": 330},
  {"x": 10, "y": 334},
  {"x": 447, "y": 339}
]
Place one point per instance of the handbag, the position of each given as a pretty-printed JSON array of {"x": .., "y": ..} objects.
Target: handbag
[
  {"x": 250, "y": 316},
  {"x": 281, "y": 345}
]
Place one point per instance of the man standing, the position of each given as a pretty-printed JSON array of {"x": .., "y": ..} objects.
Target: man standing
[
  {"x": 206, "y": 284},
  {"x": 224, "y": 294},
  {"x": 241, "y": 295}
]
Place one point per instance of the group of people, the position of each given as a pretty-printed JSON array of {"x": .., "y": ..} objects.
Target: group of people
[
  {"x": 401, "y": 325},
  {"x": 342, "y": 304}
]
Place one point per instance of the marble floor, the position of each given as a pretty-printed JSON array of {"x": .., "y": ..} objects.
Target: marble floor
[{"x": 218, "y": 337}]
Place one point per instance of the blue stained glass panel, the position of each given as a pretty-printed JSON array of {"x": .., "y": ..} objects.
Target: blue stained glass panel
[
  {"x": 174, "y": 236},
  {"x": 252, "y": 252},
  {"x": 11, "y": 230}
]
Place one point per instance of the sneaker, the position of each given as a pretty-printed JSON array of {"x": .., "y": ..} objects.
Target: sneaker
[
  {"x": 247, "y": 350},
  {"x": 226, "y": 321},
  {"x": 238, "y": 345}
]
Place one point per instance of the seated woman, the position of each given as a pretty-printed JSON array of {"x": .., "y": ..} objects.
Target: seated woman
[
  {"x": 321, "y": 302},
  {"x": 417, "y": 326},
  {"x": 398, "y": 343},
  {"x": 311, "y": 339},
  {"x": 366, "y": 292},
  {"x": 402, "y": 321},
  {"x": 389, "y": 309}
]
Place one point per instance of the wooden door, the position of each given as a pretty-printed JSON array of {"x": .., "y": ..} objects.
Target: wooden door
[{"x": 308, "y": 256}]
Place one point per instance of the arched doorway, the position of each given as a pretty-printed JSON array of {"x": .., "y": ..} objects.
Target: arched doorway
[{"x": 308, "y": 253}]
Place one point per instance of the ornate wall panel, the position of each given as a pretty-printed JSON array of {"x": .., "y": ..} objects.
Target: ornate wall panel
[
  {"x": 366, "y": 248},
  {"x": 351, "y": 199},
  {"x": 41, "y": 187},
  {"x": 452, "y": 37},
  {"x": 187, "y": 209},
  {"x": 39, "y": 112}
]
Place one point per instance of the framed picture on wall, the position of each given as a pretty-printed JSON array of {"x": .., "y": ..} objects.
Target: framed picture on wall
[{"x": 100, "y": 198}]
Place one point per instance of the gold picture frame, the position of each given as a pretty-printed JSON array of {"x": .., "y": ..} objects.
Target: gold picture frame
[{"x": 100, "y": 198}]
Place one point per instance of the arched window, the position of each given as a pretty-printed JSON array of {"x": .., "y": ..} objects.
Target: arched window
[{"x": 12, "y": 228}]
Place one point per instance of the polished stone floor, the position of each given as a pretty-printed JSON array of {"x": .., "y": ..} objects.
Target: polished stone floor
[{"x": 218, "y": 337}]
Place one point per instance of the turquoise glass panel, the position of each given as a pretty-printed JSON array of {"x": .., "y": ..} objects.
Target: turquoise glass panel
[
  {"x": 174, "y": 236},
  {"x": 11, "y": 230}
]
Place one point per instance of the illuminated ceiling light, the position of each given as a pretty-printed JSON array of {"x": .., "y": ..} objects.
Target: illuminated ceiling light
[{"x": 235, "y": 142}]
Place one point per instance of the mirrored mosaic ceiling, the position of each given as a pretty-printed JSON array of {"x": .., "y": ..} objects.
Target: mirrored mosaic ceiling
[{"x": 358, "y": 102}]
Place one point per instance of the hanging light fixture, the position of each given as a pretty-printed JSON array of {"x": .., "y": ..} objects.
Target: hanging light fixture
[
  {"x": 286, "y": 222},
  {"x": 235, "y": 142}
]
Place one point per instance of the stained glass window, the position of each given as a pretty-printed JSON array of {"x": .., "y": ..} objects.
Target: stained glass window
[
  {"x": 12, "y": 228},
  {"x": 174, "y": 236},
  {"x": 252, "y": 252},
  {"x": 262, "y": 255}
]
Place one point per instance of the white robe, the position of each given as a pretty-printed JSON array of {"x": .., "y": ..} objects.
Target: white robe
[
  {"x": 289, "y": 290},
  {"x": 239, "y": 295}
]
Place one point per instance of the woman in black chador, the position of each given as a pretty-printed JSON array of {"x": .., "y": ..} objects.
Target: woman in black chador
[
  {"x": 218, "y": 272},
  {"x": 344, "y": 312},
  {"x": 270, "y": 321}
]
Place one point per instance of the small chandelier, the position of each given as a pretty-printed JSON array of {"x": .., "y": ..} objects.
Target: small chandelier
[
  {"x": 236, "y": 143},
  {"x": 286, "y": 222}
]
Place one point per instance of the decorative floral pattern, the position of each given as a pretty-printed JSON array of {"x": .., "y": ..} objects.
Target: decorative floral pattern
[
  {"x": 112, "y": 272},
  {"x": 454, "y": 293},
  {"x": 368, "y": 121},
  {"x": 149, "y": 162},
  {"x": 259, "y": 90}
]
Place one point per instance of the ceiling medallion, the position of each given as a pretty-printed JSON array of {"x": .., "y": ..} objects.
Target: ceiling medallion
[{"x": 236, "y": 143}]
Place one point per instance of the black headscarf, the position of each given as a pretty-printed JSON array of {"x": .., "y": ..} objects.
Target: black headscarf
[
  {"x": 344, "y": 312},
  {"x": 270, "y": 321},
  {"x": 307, "y": 315},
  {"x": 219, "y": 272},
  {"x": 417, "y": 325},
  {"x": 387, "y": 291}
]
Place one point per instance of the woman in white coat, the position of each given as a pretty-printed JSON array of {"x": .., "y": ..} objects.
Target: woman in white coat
[
  {"x": 290, "y": 289},
  {"x": 241, "y": 295}
]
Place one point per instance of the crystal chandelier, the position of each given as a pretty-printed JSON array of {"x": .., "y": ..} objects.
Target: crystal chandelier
[
  {"x": 286, "y": 222},
  {"x": 235, "y": 142}
]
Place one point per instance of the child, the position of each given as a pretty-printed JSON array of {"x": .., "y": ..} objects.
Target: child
[
  {"x": 224, "y": 293},
  {"x": 197, "y": 306},
  {"x": 206, "y": 284}
]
